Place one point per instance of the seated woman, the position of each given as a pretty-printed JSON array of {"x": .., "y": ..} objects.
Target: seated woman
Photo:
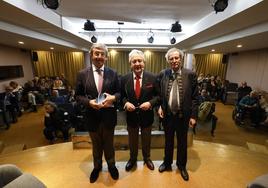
[
  {"x": 55, "y": 121},
  {"x": 250, "y": 104}
]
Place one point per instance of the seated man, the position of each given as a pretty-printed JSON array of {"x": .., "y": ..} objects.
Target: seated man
[
  {"x": 55, "y": 121},
  {"x": 206, "y": 110},
  {"x": 250, "y": 103}
]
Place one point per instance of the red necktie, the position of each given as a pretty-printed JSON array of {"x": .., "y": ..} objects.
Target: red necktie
[{"x": 137, "y": 87}]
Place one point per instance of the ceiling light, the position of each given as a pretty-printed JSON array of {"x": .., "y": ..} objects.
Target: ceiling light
[
  {"x": 89, "y": 26},
  {"x": 213, "y": 50},
  {"x": 94, "y": 39},
  {"x": 51, "y": 48},
  {"x": 150, "y": 37},
  {"x": 176, "y": 27},
  {"x": 52, "y": 4},
  {"x": 119, "y": 40},
  {"x": 239, "y": 46},
  {"x": 220, "y": 5},
  {"x": 172, "y": 40},
  {"x": 20, "y": 42}
]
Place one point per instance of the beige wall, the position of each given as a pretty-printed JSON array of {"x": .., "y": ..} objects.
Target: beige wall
[
  {"x": 15, "y": 56},
  {"x": 251, "y": 66}
]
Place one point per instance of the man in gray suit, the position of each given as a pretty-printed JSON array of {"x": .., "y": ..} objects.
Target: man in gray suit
[
  {"x": 179, "y": 106},
  {"x": 98, "y": 89}
]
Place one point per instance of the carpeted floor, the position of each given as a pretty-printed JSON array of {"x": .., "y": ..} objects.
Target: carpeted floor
[{"x": 29, "y": 130}]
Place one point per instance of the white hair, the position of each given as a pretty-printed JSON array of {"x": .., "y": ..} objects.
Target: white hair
[
  {"x": 135, "y": 53},
  {"x": 174, "y": 50}
]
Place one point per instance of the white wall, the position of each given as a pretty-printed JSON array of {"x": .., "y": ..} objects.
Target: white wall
[
  {"x": 15, "y": 56},
  {"x": 251, "y": 66}
]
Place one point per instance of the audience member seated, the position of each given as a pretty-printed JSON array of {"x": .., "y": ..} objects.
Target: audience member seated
[
  {"x": 206, "y": 110},
  {"x": 58, "y": 84},
  {"x": 243, "y": 90},
  {"x": 17, "y": 91},
  {"x": 250, "y": 104},
  {"x": 56, "y": 98},
  {"x": 11, "y": 177},
  {"x": 65, "y": 82},
  {"x": 55, "y": 122},
  {"x": 11, "y": 103}
]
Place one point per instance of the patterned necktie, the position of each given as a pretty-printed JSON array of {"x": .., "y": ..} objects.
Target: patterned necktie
[
  {"x": 100, "y": 80},
  {"x": 137, "y": 87},
  {"x": 175, "y": 96}
]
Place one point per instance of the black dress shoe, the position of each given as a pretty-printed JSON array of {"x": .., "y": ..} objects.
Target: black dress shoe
[
  {"x": 163, "y": 167},
  {"x": 184, "y": 174},
  {"x": 114, "y": 172},
  {"x": 94, "y": 175},
  {"x": 149, "y": 163},
  {"x": 130, "y": 164}
]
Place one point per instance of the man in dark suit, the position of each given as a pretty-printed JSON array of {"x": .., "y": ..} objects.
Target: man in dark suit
[
  {"x": 139, "y": 95},
  {"x": 99, "y": 82},
  {"x": 179, "y": 107}
]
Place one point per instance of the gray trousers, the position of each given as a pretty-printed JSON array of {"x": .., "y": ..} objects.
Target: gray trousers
[
  {"x": 103, "y": 141},
  {"x": 133, "y": 140}
]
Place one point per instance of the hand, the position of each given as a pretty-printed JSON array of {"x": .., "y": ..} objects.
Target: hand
[
  {"x": 95, "y": 105},
  {"x": 160, "y": 112},
  {"x": 129, "y": 107},
  {"x": 108, "y": 101},
  {"x": 145, "y": 106},
  {"x": 192, "y": 123}
]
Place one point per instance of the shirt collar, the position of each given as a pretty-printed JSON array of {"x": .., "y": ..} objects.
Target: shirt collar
[
  {"x": 94, "y": 68},
  {"x": 134, "y": 75}
]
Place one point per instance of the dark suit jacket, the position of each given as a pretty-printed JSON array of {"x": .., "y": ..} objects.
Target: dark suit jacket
[
  {"x": 86, "y": 90},
  {"x": 190, "y": 92},
  {"x": 148, "y": 94}
]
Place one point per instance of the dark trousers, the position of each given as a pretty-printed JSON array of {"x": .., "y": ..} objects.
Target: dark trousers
[
  {"x": 133, "y": 140},
  {"x": 173, "y": 124},
  {"x": 103, "y": 141}
]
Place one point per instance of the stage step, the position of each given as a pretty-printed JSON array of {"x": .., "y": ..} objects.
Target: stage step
[
  {"x": 257, "y": 148},
  {"x": 13, "y": 148},
  {"x": 82, "y": 139}
]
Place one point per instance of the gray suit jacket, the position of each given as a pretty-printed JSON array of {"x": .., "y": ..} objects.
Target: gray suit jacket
[{"x": 190, "y": 92}]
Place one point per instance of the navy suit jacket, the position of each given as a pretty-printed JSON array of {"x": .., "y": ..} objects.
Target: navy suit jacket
[
  {"x": 86, "y": 90},
  {"x": 148, "y": 94},
  {"x": 190, "y": 92}
]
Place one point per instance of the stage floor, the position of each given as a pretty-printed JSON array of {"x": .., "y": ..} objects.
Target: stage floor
[{"x": 209, "y": 165}]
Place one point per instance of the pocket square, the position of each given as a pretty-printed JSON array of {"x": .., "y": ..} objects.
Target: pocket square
[{"x": 149, "y": 85}]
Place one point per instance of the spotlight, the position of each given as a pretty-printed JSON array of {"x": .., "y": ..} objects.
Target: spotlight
[
  {"x": 119, "y": 40},
  {"x": 176, "y": 27},
  {"x": 94, "y": 39},
  {"x": 151, "y": 39},
  {"x": 89, "y": 26},
  {"x": 52, "y": 4},
  {"x": 220, "y": 5},
  {"x": 173, "y": 40}
]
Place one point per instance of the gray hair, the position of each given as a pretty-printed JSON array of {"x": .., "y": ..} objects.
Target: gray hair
[
  {"x": 52, "y": 104},
  {"x": 99, "y": 46},
  {"x": 135, "y": 53},
  {"x": 174, "y": 50}
]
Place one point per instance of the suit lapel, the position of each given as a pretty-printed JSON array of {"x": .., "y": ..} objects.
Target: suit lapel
[
  {"x": 144, "y": 83},
  {"x": 91, "y": 81},
  {"x": 129, "y": 86},
  {"x": 184, "y": 81},
  {"x": 105, "y": 79}
]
